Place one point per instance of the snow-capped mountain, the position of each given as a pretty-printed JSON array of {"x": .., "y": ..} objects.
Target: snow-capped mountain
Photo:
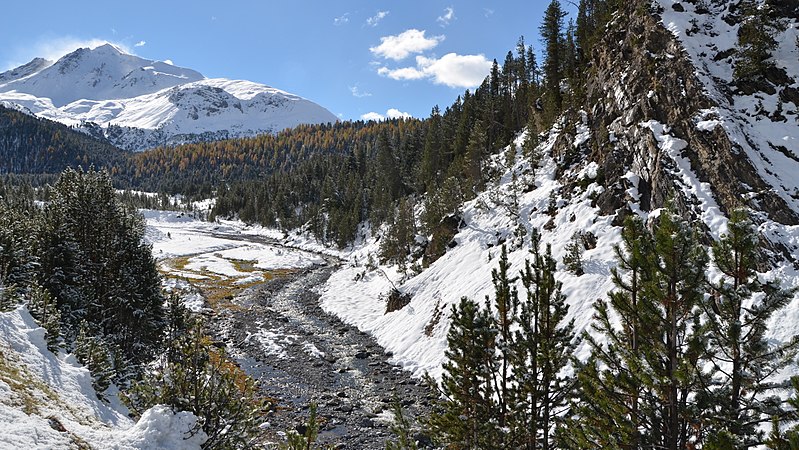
[{"x": 140, "y": 103}]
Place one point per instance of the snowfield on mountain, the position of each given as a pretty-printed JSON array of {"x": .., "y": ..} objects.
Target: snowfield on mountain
[{"x": 140, "y": 103}]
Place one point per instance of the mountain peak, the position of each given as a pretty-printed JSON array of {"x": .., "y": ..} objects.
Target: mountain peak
[{"x": 162, "y": 102}]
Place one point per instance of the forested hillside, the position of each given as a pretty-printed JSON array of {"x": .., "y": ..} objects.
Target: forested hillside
[{"x": 39, "y": 146}]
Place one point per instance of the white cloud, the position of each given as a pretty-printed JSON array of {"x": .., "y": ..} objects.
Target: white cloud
[
  {"x": 374, "y": 20},
  {"x": 140, "y": 44},
  {"x": 404, "y": 73},
  {"x": 488, "y": 12},
  {"x": 453, "y": 70},
  {"x": 342, "y": 19},
  {"x": 392, "y": 113},
  {"x": 53, "y": 48},
  {"x": 358, "y": 93},
  {"x": 373, "y": 116},
  {"x": 400, "y": 46},
  {"x": 447, "y": 17}
]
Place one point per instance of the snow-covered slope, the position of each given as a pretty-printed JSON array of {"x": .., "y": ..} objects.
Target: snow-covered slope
[
  {"x": 763, "y": 122},
  {"x": 47, "y": 401},
  {"x": 664, "y": 123},
  {"x": 142, "y": 103}
]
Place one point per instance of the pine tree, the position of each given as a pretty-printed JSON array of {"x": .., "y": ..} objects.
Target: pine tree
[
  {"x": 542, "y": 347},
  {"x": 93, "y": 352},
  {"x": 43, "y": 308},
  {"x": 506, "y": 304},
  {"x": 476, "y": 149},
  {"x": 742, "y": 358},
  {"x": 573, "y": 259},
  {"x": 430, "y": 166},
  {"x": 18, "y": 260},
  {"x": 396, "y": 245},
  {"x": 644, "y": 380},
  {"x": 401, "y": 429},
  {"x": 98, "y": 269},
  {"x": 670, "y": 346},
  {"x": 551, "y": 30},
  {"x": 756, "y": 41},
  {"x": 780, "y": 439},
  {"x": 465, "y": 416},
  {"x": 201, "y": 379},
  {"x": 306, "y": 440}
]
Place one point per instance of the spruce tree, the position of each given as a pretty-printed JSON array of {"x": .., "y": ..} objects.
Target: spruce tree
[
  {"x": 743, "y": 360},
  {"x": 97, "y": 267},
  {"x": 43, "y": 308}
]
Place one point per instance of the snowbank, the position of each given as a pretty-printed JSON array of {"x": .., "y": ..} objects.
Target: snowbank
[{"x": 47, "y": 401}]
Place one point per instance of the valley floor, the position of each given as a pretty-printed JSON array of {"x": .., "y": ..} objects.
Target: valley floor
[{"x": 263, "y": 300}]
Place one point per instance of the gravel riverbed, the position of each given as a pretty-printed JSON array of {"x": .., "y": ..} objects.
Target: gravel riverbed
[{"x": 301, "y": 355}]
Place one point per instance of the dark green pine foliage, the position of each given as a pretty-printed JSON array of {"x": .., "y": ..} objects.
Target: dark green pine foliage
[
  {"x": 608, "y": 410},
  {"x": 551, "y": 30},
  {"x": 756, "y": 41},
  {"x": 98, "y": 269},
  {"x": 743, "y": 360},
  {"x": 644, "y": 380},
  {"x": 18, "y": 260},
  {"x": 465, "y": 417},
  {"x": 93, "y": 352},
  {"x": 43, "y": 308},
  {"x": 780, "y": 438},
  {"x": 32, "y": 145},
  {"x": 197, "y": 377},
  {"x": 506, "y": 305},
  {"x": 401, "y": 429},
  {"x": 543, "y": 346},
  {"x": 387, "y": 186},
  {"x": 573, "y": 259},
  {"x": 670, "y": 347},
  {"x": 398, "y": 241},
  {"x": 431, "y": 165}
]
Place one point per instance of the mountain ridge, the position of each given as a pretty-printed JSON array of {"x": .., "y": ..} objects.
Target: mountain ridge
[{"x": 153, "y": 103}]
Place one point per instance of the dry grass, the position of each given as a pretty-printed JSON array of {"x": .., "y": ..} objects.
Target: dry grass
[
  {"x": 219, "y": 290},
  {"x": 244, "y": 265},
  {"x": 28, "y": 391}
]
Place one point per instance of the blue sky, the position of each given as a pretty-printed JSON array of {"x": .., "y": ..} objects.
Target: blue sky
[{"x": 356, "y": 58}]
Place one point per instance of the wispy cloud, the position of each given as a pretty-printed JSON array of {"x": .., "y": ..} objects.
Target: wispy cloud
[
  {"x": 342, "y": 19},
  {"x": 374, "y": 20},
  {"x": 447, "y": 17},
  {"x": 53, "y": 48},
  {"x": 488, "y": 12},
  {"x": 392, "y": 113},
  {"x": 452, "y": 69},
  {"x": 140, "y": 44},
  {"x": 356, "y": 92},
  {"x": 398, "y": 47}
]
